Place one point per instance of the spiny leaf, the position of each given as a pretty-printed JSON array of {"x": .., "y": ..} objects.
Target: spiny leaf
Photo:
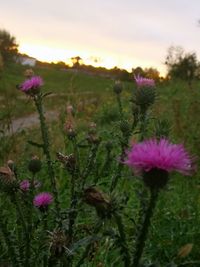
[
  {"x": 46, "y": 94},
  {"x": 35, "y": 144}
]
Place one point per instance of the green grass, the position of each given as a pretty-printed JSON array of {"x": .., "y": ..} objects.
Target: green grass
[
  {"x": 73, "y": 85},
  {"x": 176, "y": 220}
]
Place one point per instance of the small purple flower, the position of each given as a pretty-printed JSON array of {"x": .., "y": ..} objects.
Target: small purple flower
[
  {"x": 144, "y": 82},
  {"x": 159, "y": 154},
  {"x": 33, "y": 84},
  {"x": 24, "y": 185},
  {"x": 43, "y": 200}
]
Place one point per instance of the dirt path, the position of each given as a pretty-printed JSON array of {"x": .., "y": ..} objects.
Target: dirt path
[{"x": 30, "y": 121}]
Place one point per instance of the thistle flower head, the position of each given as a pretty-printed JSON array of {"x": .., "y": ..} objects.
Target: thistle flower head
[
  {"x": 24, "y": 185},
  {"x": 160, "y": 154},
  {"x": 31, "y": 85},
  {"x": 144, "y": 82},
  {"x": 43, "y": 200}
]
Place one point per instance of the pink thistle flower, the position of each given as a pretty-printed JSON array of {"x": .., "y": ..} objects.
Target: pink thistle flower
[
  {"x": 43, "y": 200},
  {"x": 159, "y": 154},
  {"x": 33, "y": 84},
  {"x": 24, "y": 185},
  {"x": 144, "y": 82}
]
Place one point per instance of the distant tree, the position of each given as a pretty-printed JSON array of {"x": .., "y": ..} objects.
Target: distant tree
[
  {"x": 61, "y": 65},
  {"x": 138, "y": 71},
  {"x": 182, "y": 65},
  {"x": 125, "y": 75},
  {"x": 8, "y": 46},
  {"x": 174, "y": 54},
  {"x": 1, "y": 62},
  {"x": 76, "y": 61},
  {"x": 152, "y": 73}
]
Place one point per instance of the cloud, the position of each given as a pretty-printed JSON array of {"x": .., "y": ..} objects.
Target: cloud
[{"x": 127, "y": 30}]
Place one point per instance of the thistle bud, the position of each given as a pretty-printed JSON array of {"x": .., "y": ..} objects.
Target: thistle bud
[
  {"x": 145, "y": 97},
  {"x": 69, "y": 109},
  {"x": 29, "y": 73},
  {"x": 70, "y": 129},
  {"x": 125, "y": 127},
  {"x": 7, "y": 179},
  {"x": 162, "y": 128},
  {"x": 93, "y": 139},
  {"x": 117, "y": 88},
  {"x": 34, "y": 165},
  {"x": 68, "y": 161},
  {"x": 58, "y": 242},
  {"x": 92, "y": 128},
  {"x": 97, "y": 199}
]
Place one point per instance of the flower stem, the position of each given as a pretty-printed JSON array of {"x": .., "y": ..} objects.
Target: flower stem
[
  {"x": 120, "y": 166},
  {"x": 123, "y": 243},
  {"x": 88, "y": 247},
  {"x": 45, "y": 258},
  {"x": 120, "y": 105},
  {"x": 46, "y": 150},
  {"x": 140, "y": 242},
  {"x": 143, "y": 125}
]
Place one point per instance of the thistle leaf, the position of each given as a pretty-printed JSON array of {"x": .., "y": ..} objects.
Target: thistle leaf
[{"x": 185, "y": 250}]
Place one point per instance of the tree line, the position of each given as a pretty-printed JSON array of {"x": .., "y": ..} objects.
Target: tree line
[{"x": 180, "y": 64}]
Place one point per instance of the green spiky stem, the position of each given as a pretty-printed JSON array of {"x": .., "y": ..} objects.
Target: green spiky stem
[
  {"x": 123, "y": 242},
  {"x": 46, "y": 150},
  {"x": 142, "y": 236}
]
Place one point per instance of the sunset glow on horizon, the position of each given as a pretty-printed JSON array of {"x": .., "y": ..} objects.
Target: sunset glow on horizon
[
  {"x": 48, "y": 53},
  {"x": 126, "y": 34}
]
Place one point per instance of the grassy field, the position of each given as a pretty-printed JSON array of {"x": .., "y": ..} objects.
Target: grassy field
[{"x": 176, "y": 220}]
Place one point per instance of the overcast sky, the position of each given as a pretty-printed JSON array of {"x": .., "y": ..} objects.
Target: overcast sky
[{"x": 126, "y": 33}]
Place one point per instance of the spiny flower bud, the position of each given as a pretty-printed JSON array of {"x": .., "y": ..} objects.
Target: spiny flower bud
[
  {"x": 70, "y": 129},
  {"x": 117, "y": 88},
  {"x": 70, "y": 110},
  {"x": 68, "y": 161},
  {"x": 7, "y": 179},
  {"x": 34, "y": 165},
  {"x": 92, "y": 128},
  {"x": 145, "y": 97},
  {"x": 97, "y": 199},
  {"x": 125, "y": 127},
  {"x": 29, "y": 73},
  {"x": 58, "y": 242},
  {"x": 162, "y": 128},
  {"x": 93, "y": 139}
]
